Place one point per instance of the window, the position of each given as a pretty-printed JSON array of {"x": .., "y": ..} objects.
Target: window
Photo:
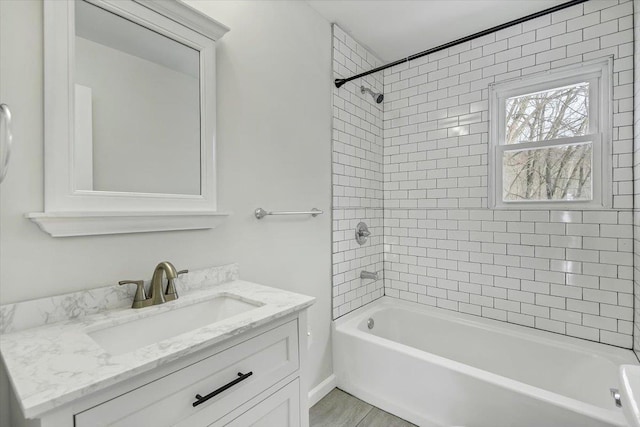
[{"x": 549, "y": 138}]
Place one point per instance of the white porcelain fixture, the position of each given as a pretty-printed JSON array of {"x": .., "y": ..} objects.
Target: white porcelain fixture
[
  {"x": 630, "y": 393},
  {"x": 436, "y": 369},
  {"x": 138, "y": 333},
  {"x": 227, "y": 354}
]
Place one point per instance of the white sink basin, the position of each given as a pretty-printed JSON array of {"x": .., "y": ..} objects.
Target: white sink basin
[{"x": 138, "y": 333}]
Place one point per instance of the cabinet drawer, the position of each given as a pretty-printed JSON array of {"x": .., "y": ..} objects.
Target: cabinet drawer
[
  {"x": 281, "y": 409},
  {"x": 270, "y": 357}
]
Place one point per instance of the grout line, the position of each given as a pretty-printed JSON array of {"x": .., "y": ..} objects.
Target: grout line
[{"x": 359, "y": 424}]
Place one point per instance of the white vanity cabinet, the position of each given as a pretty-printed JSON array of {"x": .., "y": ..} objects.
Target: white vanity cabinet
[{"x": 275, "y": 394}]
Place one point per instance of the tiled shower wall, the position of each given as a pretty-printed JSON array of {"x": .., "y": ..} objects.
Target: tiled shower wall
[
  {"x": 636, "y": 175},
  {"x": 569, "y": 272},
  {"x": 357, "y": 177}
]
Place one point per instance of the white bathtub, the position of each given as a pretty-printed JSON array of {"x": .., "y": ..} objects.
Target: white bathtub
[{"x": 438, "y": 368}]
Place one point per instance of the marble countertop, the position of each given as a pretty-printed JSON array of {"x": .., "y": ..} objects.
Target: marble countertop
[{"x": 54, "y": 364}]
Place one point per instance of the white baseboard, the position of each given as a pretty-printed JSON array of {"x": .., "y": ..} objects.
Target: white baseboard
[{"x": 321, "y": 390}]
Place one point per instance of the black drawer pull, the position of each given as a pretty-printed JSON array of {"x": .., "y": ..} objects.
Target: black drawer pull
[{"x": 202, "y": 399}]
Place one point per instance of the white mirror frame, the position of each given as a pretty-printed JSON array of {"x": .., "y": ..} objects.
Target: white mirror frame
[{"x": 73, "y": 212}]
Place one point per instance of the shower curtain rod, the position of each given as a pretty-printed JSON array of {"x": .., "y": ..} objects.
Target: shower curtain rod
[{"x": 340, "y": 82}]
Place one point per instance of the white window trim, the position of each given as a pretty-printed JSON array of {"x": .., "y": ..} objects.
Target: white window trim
[{"x": 598, "y": 73}]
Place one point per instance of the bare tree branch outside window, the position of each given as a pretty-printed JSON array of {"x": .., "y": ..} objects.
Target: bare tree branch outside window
[{"x": 548, "y": 173}]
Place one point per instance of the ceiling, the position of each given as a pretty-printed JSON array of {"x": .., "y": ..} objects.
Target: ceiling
[{"x": 396, "y": 29}]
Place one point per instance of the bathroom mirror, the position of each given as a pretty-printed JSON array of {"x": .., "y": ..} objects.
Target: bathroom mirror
[
  {"x": 137, "y": 107},
  {"x": 129, "y": 117}
]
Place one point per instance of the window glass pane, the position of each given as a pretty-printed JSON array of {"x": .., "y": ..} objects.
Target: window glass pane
[
  {"x": 554, "y": 173},
  {"x": 558, "y": 113}
]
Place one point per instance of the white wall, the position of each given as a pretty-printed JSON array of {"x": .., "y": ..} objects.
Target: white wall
[
  {"x": 569, "y": 272},
  {"x": 274, "y": 151}
]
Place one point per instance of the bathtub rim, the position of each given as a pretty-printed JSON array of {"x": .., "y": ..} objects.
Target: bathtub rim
[
  {"x": 617, "y": 355},
  {"x": 351, "y": 322}
]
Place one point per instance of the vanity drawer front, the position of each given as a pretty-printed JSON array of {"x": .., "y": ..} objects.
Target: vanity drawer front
[
  {"x": 281, "y": 409},
  {"x": 270, "y": 357}
]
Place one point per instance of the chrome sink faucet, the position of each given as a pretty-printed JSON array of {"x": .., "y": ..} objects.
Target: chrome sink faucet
[
  {"x": 171, "y": 293},
  {"x": 156, "y": 294}
]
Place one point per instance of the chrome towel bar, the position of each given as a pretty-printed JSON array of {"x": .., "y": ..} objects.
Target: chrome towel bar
[{"x": 261, "y": 213}]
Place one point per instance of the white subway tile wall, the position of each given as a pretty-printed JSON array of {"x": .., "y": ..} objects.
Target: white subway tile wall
[
  {"x": 569, "y": 272},
  {"x": 419, "y": 177},
  {"x": 357, "y": 177},
  {"x": 636, "y": 175}
]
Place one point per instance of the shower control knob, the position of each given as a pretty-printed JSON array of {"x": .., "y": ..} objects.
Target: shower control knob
[{"x": 362, "y": 233}]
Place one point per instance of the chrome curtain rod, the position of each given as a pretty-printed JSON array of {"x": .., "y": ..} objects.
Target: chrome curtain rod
[
  {"x": 340, "y": 82},
  {"x": 261, "y": 213}
]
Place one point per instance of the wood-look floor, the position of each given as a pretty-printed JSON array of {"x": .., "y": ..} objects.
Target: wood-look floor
[{"x": 339, "y": 409}]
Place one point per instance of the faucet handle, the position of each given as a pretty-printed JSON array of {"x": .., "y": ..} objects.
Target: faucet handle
[
  {"x": 140, "y": 296},
  {"x": 172, "y": 293}
]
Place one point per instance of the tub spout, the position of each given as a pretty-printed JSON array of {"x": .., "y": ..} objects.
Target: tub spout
[{"x": 369, "y": 275}]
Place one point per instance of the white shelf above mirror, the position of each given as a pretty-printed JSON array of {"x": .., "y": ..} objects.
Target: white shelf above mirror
[{"x": 130, "y": 149}]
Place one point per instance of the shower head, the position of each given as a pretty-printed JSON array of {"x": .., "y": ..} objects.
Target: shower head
[{"x": 378, "y": 97}]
